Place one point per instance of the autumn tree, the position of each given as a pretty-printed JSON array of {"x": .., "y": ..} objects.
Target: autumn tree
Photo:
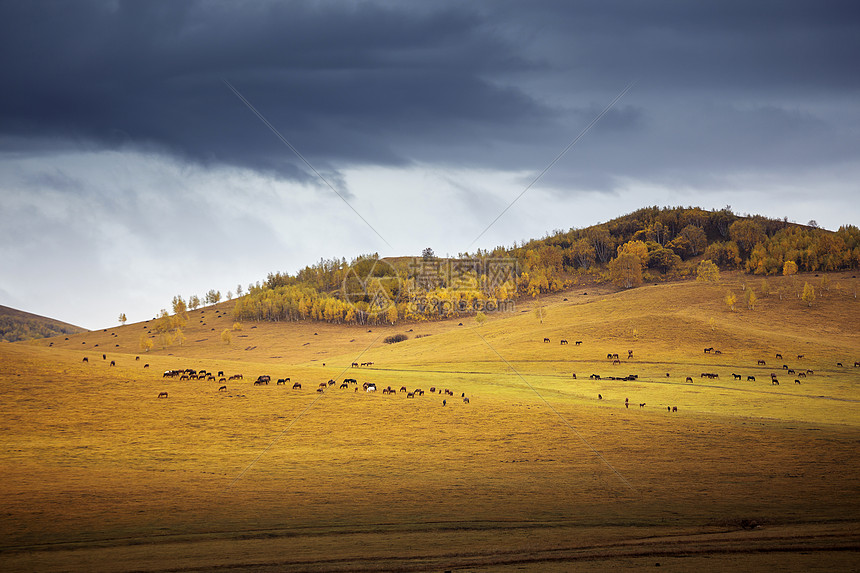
[
  {"x": 750, "y": 298},
  {"x": 193, "y": 302},
  {"x": 122, "y": 318},
  {"x": 427, "y": 254},
  {"x": 707, "y": 271},
  {"x": 626, "y": 270},
  {"x": 580, "y": 254},
  {"x": 480, "y": 318},
  {"x": 226, "y": 337},
  {"x": 213, "y": 297},
  {"x": 724, "y": 255},
  {"x": 731, "y": 299},
  {"x": 239, "y": 289},
  {"x": 540, "y": 313},
  {"x": 808, "y": 295},
  {"x": 746, "y": 233},
  {"x": 146, "y": 343},
  {"x": 637, "y": 248},
  {"x": 789, "y": 268},
  {"x": 179, "y": 306}
]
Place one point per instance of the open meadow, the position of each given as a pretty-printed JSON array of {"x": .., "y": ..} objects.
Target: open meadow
[{"x": 540, "y": 470}]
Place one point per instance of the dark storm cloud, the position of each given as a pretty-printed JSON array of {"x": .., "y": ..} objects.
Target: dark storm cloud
[
  {"x": 723, "y": 85},
  {"x": 342, "y": 82}
]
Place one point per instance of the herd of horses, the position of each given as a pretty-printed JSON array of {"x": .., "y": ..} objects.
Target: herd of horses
[
  {"x": 192, "y": 374},
  {"x": 614, "y": 357},
  {"x": 264, "y": 379}
]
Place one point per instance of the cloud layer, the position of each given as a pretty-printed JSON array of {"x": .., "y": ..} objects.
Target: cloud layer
[{"x": 120, "y": 139}]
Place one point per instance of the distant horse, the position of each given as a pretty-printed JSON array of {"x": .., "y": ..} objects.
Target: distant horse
[
  {"x": 546, "y": 339},
  {"x": 222, "y": 389},
  {"x": 297, "y": 386},
  {"x": 466, "y": 400},
  {"x": 162, "y": 394}
]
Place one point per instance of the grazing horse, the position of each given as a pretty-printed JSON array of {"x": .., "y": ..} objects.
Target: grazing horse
[
  {"x": 320, "y": 390},
  {"x": 137, "y": 358},
  {"x": 574, "y": 375},
  {"x": 104, "y": 356},
  {"x": 616, "y": 361},
  {"x": 578, "y": 342},
  {"x": 546, "y": 339},
  {"x": 222, "y": 389},
  {"x": 146, "y": 365},
  {"x": 599, "y": 397},
  {"x": 162, "y": 394},
  {"x": 774, "y": 382},
  {"x": 444, "y": 402},
  {"x": 355, "y": 365},
  {"x": 86, "y": 359},
  {"x": 642, "y": 405},
  {"x": 323, "y": 384},
  {"x": 785, "y": 366},
  {"x": 629, "y": 354},
  {"x": 297, "y": 386},
  {"x": 689, "y": 379},
  {"x": 801, "y": 374},
  {"x": 799, "y": 356},
  {"x": 762, "y": 363},
  {"x": 736, "y": 376},
  {"x": 750, "y": 378},
  {"x": 410, "y": 394},
  {"x": 344, "y": 385},
  {"x": 668, "y": 408},
  {"x": 674, "y": 408},
  {"x": 112, "y": 363},
  {"x": 433, "y": 389},
  {"x": 790, "y": 371},
  {"x": 709, "y": 350},
  {"x": 857, "y": 365},
  {"x": 403, "y": 388},
  {"x": 563, "y": 341},
  {"x": 839, "y": 364},
  {"x": 796, "y": 381},
  {"x": 778, "y": 355},
  {"x": 466, "y": 400}
]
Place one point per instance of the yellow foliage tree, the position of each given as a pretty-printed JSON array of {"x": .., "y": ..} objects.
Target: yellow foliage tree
[
  {"x": 626, "y": 270},
  {"x": 808, "y": 295},
  {"x": 731, "y": 299},
  {"x": 226, "y": 337},
  {"x": 789, "y": 268},
  {"x": 707, "y": 271},
  {"x": 638, "y": 248},
  {"x": 751, "y": 298}
]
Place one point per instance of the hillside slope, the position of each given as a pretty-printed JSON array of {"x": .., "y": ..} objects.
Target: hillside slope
[{"x": 18, "y": 325}]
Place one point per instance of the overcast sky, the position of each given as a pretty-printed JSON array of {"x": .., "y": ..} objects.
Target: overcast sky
[{"x": 131, "y": 171}]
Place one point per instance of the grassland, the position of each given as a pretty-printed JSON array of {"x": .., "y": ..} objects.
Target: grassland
[{"x": 540, "y": 471}]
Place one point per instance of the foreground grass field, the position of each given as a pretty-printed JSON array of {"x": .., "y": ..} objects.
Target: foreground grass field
[{"x": 539, "y": 471}]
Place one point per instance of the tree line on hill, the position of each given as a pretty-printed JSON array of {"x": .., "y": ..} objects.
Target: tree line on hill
[
  {"x": 650, "y": 244},
  {"x": 15, "y": 328}
]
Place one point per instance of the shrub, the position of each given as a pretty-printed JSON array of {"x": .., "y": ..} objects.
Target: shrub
[{"x": 395, "y": 338}]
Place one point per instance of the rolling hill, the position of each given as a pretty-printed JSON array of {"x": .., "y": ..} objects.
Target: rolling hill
[
  {"x": 539, "y": 470},
  {"x": 18, "y": 325}
]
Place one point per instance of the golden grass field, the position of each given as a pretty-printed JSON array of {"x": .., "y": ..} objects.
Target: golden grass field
[{"x": 535, "y": 473}]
